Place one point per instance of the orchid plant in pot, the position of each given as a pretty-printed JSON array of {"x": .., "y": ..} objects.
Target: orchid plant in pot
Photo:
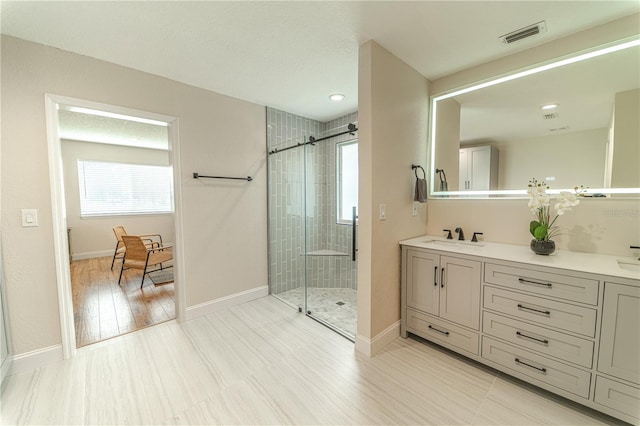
[{"x": 544, "y": 228}]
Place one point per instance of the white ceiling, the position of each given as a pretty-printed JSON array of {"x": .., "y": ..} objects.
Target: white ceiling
[{"x": 292, "y": 55}]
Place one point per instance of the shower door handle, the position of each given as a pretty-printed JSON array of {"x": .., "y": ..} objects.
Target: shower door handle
[{"x": 354, "y": 217}]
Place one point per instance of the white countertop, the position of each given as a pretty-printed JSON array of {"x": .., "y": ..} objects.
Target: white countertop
[{"x": 575, "y": 261}]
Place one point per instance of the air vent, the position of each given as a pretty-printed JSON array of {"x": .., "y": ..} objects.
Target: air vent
[
  {"x": 550, "y": 115},
  {"x": 525, "y": 32}
]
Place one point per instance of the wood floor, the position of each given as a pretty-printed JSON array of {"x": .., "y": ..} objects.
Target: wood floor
[
  {"x": 261, "y": 362},
  {"x": 103, "y": 310}
]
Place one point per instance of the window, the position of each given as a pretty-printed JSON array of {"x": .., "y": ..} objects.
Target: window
[
  {"x": 347, "y": 179},
  {"x": 124, "y": 189}
]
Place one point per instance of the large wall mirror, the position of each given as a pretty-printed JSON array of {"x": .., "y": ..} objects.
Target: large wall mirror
[{"x": 489, "y": 139}]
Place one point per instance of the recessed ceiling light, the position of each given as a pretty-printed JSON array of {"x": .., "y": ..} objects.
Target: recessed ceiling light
[
  {"x": 550, "y": 106},
  {"x": 336, "y": 97}
]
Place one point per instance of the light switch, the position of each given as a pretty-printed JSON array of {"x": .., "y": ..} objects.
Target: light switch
[
  {"x": 414, "y": 208},
  {"x": 383, "y": 212},
  {"x": 29, "y": 217}
]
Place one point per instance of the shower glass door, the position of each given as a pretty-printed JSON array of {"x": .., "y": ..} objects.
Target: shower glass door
[
  {"x": 331, "y": 197},
  {"x": 313, "y": 189}
]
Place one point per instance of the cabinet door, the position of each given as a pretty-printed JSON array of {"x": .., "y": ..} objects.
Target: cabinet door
[
  {"x": 620, "y": 336},
  {"x": 460, "y": 291},
  {"x": 422, "y": 281},
  {"x": 463, "y": 170},
  {"x": 475, "y": 168},
  {"x": 480, "y": 168}
]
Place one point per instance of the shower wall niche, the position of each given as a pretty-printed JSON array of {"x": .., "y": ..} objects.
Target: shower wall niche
[{"x": 305, "y": 238}]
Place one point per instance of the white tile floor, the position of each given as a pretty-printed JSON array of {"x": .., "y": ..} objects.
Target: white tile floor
[{"x": 263, "y": 363}]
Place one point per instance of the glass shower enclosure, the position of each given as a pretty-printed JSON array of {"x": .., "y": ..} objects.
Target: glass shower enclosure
[{"x": 313, "y": 217}]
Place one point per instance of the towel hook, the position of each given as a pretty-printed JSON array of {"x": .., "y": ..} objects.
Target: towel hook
[{"x": 415, "y": 168}]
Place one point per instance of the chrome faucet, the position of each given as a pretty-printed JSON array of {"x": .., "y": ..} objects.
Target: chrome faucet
[{"x": 460, "y": 234}]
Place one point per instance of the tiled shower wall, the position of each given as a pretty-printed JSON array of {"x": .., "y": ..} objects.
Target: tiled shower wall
[{"x": 286, "y": 204}]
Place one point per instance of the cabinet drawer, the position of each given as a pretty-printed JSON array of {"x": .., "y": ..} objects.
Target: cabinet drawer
[
  {"x": 542, "y": 311},
  {"x": 566, "y": 287},
  {"x": 442, "y": 332},
  {"x": 618, "y": 396},
  {"x": 548, "y": 342},
  {"x": 538, "y": 368}
]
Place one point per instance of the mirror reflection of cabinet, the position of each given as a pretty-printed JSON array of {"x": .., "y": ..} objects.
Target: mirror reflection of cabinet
[{"x": 478, "y": 168}]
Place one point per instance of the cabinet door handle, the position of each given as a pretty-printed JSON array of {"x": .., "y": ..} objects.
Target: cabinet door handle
[
  {"x": 435, "y": 276},
  {"x": 543, "y": 341},
  {"x": 522, "y": 280},
  {"x": 446, "y": 333},
  {"x": 442, "y": 278},
  {"x": 540, "y": 369},
  {"x": 521, "y": 306}
]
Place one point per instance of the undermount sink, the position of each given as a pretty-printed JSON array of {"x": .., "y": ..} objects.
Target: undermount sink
[
  {"x": 632, "y": 265},
  {"x": 454, "y": 243}
]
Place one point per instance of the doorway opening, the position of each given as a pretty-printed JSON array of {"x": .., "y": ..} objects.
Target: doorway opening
[{"x": 114, "y": 171}]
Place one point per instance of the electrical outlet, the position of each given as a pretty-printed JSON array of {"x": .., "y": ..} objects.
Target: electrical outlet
[
  {"x": 414, "y": 208},
  {"x": 383, "y": 212},
  {"x": 29, "y": 217}
]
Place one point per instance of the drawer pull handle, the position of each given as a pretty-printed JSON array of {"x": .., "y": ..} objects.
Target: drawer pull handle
[
  {"x": 540, "y": 369},
  {"x": 520, "y": 306},
  {"x": 446, "y": 333},
  {"x": 435, "y": 276},
  {"x": 543, "y": 341},
  {"x": 522, "y": 280}
]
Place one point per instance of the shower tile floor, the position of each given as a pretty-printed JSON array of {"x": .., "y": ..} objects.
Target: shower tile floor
[{"x": 335, "y": 306}]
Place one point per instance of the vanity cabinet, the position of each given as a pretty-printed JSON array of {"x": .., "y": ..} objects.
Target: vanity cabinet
[
  {"x": 558, "y": 326},
  {"x": 442, "y": 293},
  {"x": 619, "y": 350},
  {"x": 478, "y": 168}
]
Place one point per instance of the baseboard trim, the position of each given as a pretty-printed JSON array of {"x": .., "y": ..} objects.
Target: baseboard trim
[
  {"x": 91, "y": 254},
  {"x": 35, "y": 359},
  {"x": 102, "y": 253},
  {"x": 370, "y": 347},
  {"x": 226, "y": 302}
]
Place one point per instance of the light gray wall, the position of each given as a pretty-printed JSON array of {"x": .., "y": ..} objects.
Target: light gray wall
[
  {"x": 573, "y": 159},
  {"x": 393, "y": 101},
  {"x": 626, "y": 140},
  {"x": 225, "y": 232}
]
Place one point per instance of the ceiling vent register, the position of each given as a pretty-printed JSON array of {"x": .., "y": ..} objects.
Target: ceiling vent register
[{"x": 523, "y": 33}]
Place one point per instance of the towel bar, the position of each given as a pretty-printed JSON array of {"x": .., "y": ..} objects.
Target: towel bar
[{"x": 198, "y": 175}]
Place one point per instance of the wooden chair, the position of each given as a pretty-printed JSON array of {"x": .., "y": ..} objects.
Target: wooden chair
[
  {"x": 137, "y": 255},
  {"x": 148, "y": 239}
]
